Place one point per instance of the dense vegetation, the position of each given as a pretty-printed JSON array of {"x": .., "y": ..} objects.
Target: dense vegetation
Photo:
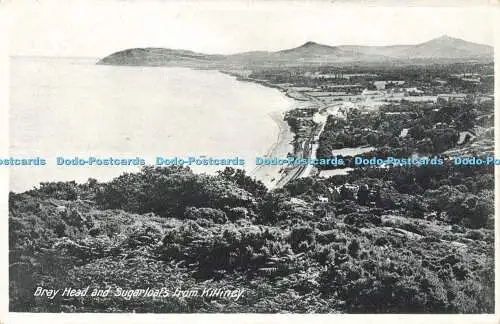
[
  {"x": 431, "y": 129},
  {"x": 410, "y": 240},
  {"x": 423, "y": 76}
]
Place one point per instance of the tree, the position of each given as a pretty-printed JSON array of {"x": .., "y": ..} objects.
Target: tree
[{"x": 238, "y": 177}]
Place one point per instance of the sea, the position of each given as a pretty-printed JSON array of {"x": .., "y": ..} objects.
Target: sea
[{"x": 72, "y": 107}]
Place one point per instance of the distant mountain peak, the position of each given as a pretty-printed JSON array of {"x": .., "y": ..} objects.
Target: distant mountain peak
[
  {"x": 445, "y": 37},
  {"x": 450, "y": 47},
  {"x": 310, "y": 44},
  {"x": 309, "y": 48},
  {"x": 314, "y": 45}
]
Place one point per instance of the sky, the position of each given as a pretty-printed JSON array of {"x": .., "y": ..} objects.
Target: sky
[{"x": 96, "y": 28}]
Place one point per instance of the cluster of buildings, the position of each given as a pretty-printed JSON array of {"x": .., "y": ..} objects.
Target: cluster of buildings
[
  {"x": 338, "y": 75},
  {"x": 337, "y": 83}
]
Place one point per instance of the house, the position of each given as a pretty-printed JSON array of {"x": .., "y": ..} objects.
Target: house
[
  {"x": 323, "y": 199},
  {"x": 413, "y": 91},
  {"x": 382, "y": 85}
]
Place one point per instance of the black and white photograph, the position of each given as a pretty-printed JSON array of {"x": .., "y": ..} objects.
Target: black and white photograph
[{"x": 261, "y": 157}]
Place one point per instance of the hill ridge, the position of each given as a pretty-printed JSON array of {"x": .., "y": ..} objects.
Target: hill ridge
[{"x": 440, "y": 49}]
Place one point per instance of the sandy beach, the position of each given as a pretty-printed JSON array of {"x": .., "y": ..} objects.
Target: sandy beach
[{"x": 270, "y": 174}]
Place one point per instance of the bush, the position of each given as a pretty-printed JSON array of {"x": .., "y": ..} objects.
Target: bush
[
  {"x": 167, "y": 191},
  {"x": 214, "y": 215},
  {"x": 300, "y": 235}
]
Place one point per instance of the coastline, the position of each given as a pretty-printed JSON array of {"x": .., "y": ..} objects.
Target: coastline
[
  {"x": 270, "y": 174},
  {"x": 273, "y": 176}
]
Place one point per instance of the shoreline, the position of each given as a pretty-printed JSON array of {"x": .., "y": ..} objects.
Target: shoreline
[
  {"x": 273, "y": 176},
  {"x": 269, "y": 174}
]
